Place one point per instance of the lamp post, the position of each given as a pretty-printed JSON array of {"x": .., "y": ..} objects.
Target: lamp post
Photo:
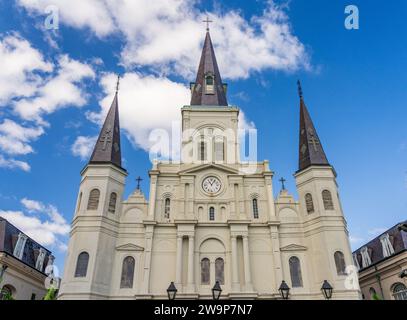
[
  {"x": 172, "y": 291},
  {"x": 216, "y": 291},
  {"x": 284, "y": 290},
  {"x": 327, "y": 290}
]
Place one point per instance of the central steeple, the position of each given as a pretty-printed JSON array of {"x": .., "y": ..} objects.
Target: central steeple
[{"x": 208, "y": 89}]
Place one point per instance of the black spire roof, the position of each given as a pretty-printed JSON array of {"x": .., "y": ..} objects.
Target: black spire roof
[
  {"x": 310, "y": 149},
  {"x": 107, "y": 148},
  {"x": 208, "y": 67}
]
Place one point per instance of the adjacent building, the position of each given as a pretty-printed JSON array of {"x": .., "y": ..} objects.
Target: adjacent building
[
  {"x": 209, "y": 217},
  {"x": 382, "y": 265},
  {"x": 22, "y": 264}
]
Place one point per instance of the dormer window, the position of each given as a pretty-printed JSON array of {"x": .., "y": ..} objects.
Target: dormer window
[
  {"x": 366, "y": 260},
  {"x": 387, "y": 247},
  {"x": 209, "y": 84}
]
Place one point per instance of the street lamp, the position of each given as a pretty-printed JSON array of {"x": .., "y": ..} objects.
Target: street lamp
[
  {"x": 284, "y": 290},
  {"x": 216, "y": 291},
  {"x": 172, "y": 291},
  {"x": 327, "y": 290}
]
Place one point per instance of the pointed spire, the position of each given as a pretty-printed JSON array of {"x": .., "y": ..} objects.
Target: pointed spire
[
  {"x": 310, "y": 149},
  {"x": 208, "y": 88},
  {"x": 107, "y": 148}
]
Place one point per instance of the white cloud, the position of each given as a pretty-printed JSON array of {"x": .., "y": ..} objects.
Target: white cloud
[
  {"x": 14, "y": 164},
  {"x": 167, "y": 35},
  {"x": 20, "y": 65},
  {"x": 43, "y": 223},
  {"x": 83, "y": 146},
  {"x": 31, "y": 87},
  {"x": 32, "y": 205},
  {"x": 59, "y": 92},
  {"x": 14, "y": 138}
]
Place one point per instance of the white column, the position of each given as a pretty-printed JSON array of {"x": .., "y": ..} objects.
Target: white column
[
  {"x": 270, "y": 199},
  {"x": 147, "y": 258},
  {"x": 235, "y": 276},
  {"x": 191, "y": 260},
  {"x": 153, "y": 192},
  {"x": 275, "y": 244},
  {"x": 178, "y": 275},
  {"x": 247, "y": 273}
]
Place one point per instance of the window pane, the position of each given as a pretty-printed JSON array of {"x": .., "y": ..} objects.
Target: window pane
[
  {"x": 93, "y": 202},
  {"x": 205, "y": 266},
  {"x": 327, "y": 199},
  {"x": 340, "y": 263},
  {"x": 211, "y": 213},
  {"x": 255, "y": 209},
  {"x": 112, "y": 202},
  {"x": 309, "y": 203},
  {"x": 127, "y": 273},
  {"x": 82, "y": 265},
  {"x": 295, "y": 272},
  {"x": 220, "y": 270},
  {"x": 167, "y": 208}
]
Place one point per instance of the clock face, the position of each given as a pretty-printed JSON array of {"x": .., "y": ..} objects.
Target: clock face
[{"x": 211, "y": 185}]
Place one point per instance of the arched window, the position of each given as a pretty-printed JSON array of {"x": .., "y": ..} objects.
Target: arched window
[
  {"x": 295, "y": 272},
  {"x": 93, "y": 201},
  {"x": 127, "y": 273},
  {"x": 340, "y": 263},
  {"x": 219, "y": 148},
  {"x": 112, "y": 202},
  {"x": 309, "y": 203},
  {"x": 211, "y": 213},
  {"x": 399, "y": 291},
  {"x": 205, "y": 269},
  {"x": 327, "y": 199},
  {"x": 167, "y": 208},
  {"x": 7, "y": 292},
  {"x": 209, "y": 84},
  {"x": 220, "y": 270},
  {"x": 202, "y": 149},
  {"x": 255, "y": 209},
  {"x": 82, "y": 265}
]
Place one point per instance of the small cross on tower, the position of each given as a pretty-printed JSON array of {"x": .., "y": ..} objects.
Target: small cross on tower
[
  {"x": 207, "y": 21},
  {"x": 139, "y": 179},
  {"x": 106, "y": 138},
  {"x": 282, "y": 180},
  {"x": 313, "y": 140}
]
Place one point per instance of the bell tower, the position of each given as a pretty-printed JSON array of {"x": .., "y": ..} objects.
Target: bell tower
[
  {"x": 327, "y": 234},
  {"x": 88, "y": 266}
]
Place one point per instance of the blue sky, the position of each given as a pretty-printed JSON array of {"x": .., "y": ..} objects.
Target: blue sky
[{"x": 58, "y": 84}]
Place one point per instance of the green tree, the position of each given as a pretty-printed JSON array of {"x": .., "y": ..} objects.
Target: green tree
[{"x": 51, "y": 294}]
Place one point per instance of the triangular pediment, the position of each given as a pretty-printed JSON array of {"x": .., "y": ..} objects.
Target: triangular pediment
[
  {"x": 129, "y": 247},
  {"x": 211, "y": 166},
  {"x": 293, "y": 247}
]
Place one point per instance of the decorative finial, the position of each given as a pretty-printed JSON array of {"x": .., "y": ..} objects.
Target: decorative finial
[
  {"x": 117, "y": 83},
  {"x": 299, "y": 89},
  {"x": 139, "y": 179},
  {"x": 207, "y": 21},
  {"x": 282, "y": 180}
]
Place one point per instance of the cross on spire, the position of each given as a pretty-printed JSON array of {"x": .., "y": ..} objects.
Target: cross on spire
[
  {"x": 207, "y": 21},
  {"x": 117, "y": 83},
  {"x": 282, "y": 180},
  {"x": 299, "y": 88},
  {"x": 139, "y": 179}
]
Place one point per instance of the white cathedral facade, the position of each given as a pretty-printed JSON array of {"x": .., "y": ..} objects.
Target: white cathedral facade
[{"x": 209, "y": 217}]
